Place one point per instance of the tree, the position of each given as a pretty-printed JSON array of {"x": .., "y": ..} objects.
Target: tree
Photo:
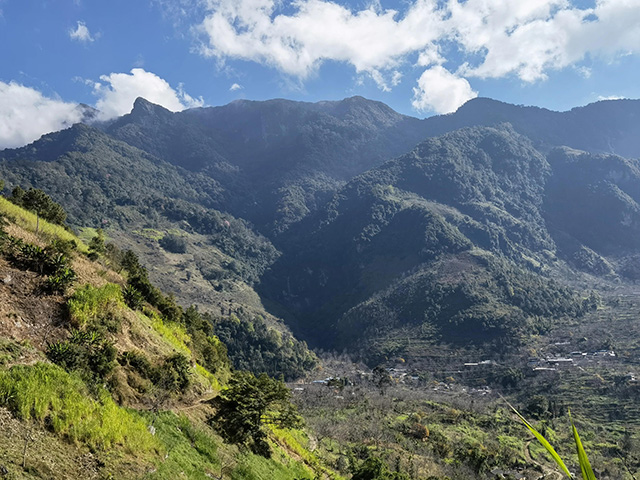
[
  {"x": 248, "y": 405},
  {"x": 40, "y": 203},
  {"x": 374, "y": 468},
  {"x": 96, "y": 245},
  {"x": 381, "y": 378}
]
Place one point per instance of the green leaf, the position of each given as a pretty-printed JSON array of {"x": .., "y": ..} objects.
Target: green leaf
[
  {"x": 585, "y": 466},
  {"x": 543, "y": 441}
]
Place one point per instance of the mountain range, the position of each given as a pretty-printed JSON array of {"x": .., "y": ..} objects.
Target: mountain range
[{"x": 360, "y": 228}]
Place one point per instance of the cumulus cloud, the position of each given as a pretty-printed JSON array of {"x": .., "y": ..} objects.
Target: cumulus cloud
[
  {"x": 234, "y": 87},
  {"x": 488, "y": 38},
  {"x": 118, "y": 91},
  {"x": 441, "y": 91},
  {"x": 81, "y": 33},
  {"x": 26, "y": 114},
  {"x": 374, "y": 41}
]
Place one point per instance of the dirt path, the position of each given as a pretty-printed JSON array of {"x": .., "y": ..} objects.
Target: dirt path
[{"x": 548, "y": 473}]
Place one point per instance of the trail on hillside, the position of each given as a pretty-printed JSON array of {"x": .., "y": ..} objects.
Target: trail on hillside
[{"x": 548, "y": 473}]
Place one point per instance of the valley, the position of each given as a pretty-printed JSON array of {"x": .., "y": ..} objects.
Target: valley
[{"x": 401, "y": 275}]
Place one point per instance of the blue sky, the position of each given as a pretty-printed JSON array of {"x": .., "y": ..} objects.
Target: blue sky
[{"x": 421, "y": 57}]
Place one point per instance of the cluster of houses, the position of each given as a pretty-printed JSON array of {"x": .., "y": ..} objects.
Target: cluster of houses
[{"x": 570, "y": 360}]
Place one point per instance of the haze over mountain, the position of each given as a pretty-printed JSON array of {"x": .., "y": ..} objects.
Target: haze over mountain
[{"x": 331, "y": 210}]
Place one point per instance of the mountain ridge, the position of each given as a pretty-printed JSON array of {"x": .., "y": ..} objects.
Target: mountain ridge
[{"x": 300, "y": 201}]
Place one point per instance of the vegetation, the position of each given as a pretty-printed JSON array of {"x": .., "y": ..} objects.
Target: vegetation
[
  {"x": 251, "y": 345},
  {"x": 583, "y": 461},
  {"x": 40, "y": 203},
  {"x": 173, "y": 243},
  {"x": 248, "y": 405},
  {"x": 51, "y": 261},
  {"x": 444, "y": 268},
  {"x": 86, "y": 352},
  {"x": 49, "y": 395}
]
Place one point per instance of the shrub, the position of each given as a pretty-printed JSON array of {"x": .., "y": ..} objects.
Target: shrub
[
  {"x": 61, "y": 281},
  {"x": 133, "y": 298},
  {"x": 97, "y": 246},
  {"x": 138, "y": 361},
  {"x": 173, "y": 243},
  {"x": 86, "y": 352},
  {"x": 174, "y": 375}
]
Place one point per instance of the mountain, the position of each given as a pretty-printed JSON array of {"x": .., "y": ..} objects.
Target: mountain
[
  {"x": 608, "y": 126},
  {"x": 322, "y": 211},
  {"x": 279, "y": 158},
  {"x": 474, "y": 190}
]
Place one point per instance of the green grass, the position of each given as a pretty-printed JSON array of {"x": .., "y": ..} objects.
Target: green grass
[
  {"x": 89, "y": 304},
  {"x": 172, "y": 333},
  {"x": 10, "y": 351},
  {"x": 192, "y": 452},
  {"x": 27, "y": 220},
  {"x": 210, "y": 377},
  {"x": 47, "y": 394},
  {"x": 87, "y": 233},
  {"x": 255, "y": 467}
]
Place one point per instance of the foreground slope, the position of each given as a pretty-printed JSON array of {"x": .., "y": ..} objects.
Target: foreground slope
[{"x": 96, "y": 382}]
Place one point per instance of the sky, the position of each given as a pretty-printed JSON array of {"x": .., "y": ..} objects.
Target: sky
[{"x": 421, "y": 57}]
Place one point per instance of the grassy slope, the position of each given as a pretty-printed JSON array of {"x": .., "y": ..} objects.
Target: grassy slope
[{"x": 71, "y": 431}]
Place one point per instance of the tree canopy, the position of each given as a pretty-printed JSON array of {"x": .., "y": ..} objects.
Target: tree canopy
[
  {"x": 40, "y": 203},
  {"x": 248, "y": 405}
]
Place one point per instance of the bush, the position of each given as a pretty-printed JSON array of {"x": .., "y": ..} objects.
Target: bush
[
  {"x": 61, "y": 281},
  {"x": 173, "y": 243},
  {"x": 51, "y": 260},
  {"x": 85, "y": 352},
  {"x": 174, "y": 375},
  {"x": 138, "y": 361},
  {"x": 133, "y": 298}
]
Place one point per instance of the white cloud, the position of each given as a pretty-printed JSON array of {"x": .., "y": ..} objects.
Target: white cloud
[
  {"x": 26, "y": 114},
  {"x": 441, "y": 91},
  {"x": 81, "y": 33},
  {"x": 610, "y": 97},
  {"x": 118, "y": 91},
  {"x": 374, "y": 41},
  {"x": 488, "y": 38},
  {"x": 234, "y": 87}
]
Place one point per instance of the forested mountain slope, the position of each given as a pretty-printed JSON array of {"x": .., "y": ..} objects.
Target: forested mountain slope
[
  {"x": 474, "y": 190},
  {"x": 608, "y": 126},
  {"x": 279, "y": 158},
  {"x": 321, "y": 209}
]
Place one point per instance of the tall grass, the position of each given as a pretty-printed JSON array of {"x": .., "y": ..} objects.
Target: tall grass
[
  {"x": 47, "y": 394},
  {"x": 174, "y": 334},
  {"x": 90, "y": 304},
  {"x": 28, "y": 220}
]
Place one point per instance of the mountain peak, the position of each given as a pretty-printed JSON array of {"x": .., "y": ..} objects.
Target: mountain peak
[{"x": 143, "y": 107}]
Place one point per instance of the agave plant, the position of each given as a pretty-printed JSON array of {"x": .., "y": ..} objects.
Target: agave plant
[{"x": 585, "y": 466}]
